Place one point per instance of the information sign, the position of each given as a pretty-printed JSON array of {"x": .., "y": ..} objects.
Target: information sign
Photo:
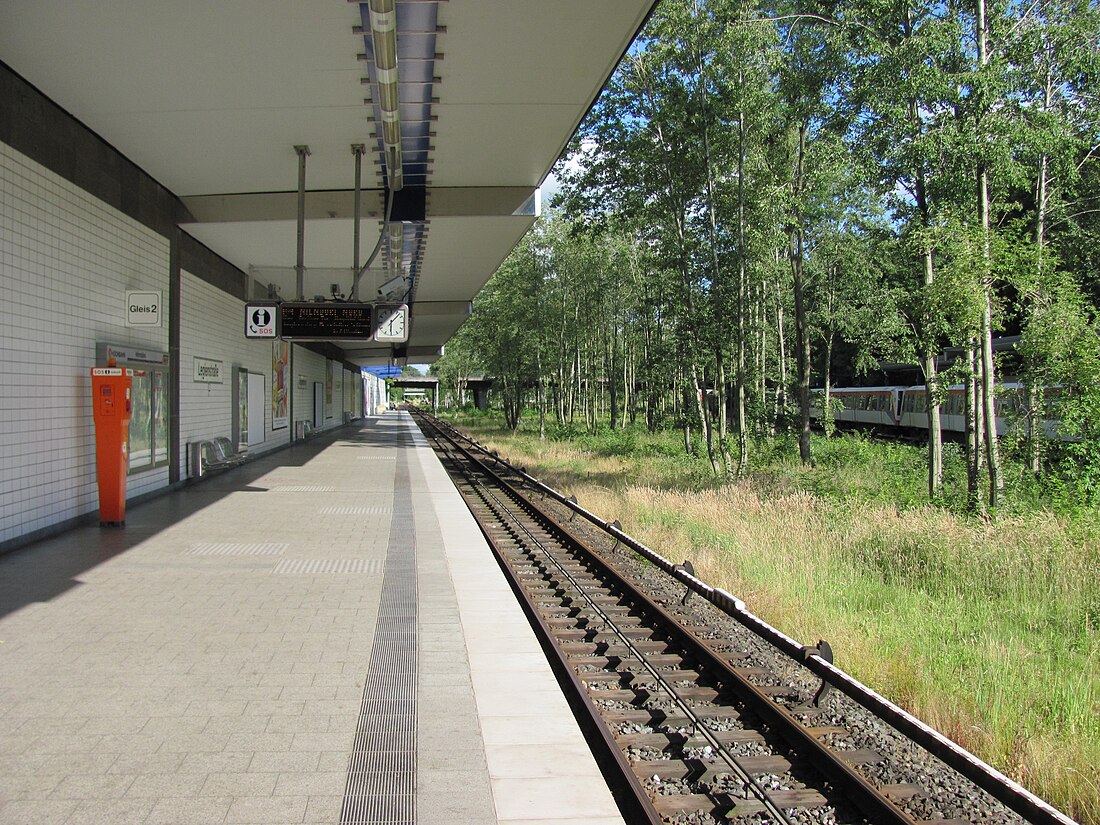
[
  {"x": 261, "y": 320},
  {"x": 142, "y": 308},
  {"x": 326, "y": 320},
  {"x": 208, "y": 371}
]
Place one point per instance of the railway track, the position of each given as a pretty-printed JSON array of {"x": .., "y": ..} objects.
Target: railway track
[{"x": 691, "y": 729}]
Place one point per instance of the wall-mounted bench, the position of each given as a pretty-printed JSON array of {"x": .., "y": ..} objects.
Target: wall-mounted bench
[{"x": 214, "y": 454}]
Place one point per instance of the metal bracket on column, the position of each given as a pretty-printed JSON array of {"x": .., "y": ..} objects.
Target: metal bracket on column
[
  {"x": 688, "y": 568},
  {"x": 823, "y": 651},
  {"x": 614, "y": 525}
]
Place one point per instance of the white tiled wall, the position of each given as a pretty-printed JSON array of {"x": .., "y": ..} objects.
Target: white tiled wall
[
  {"x": 353, "y": 391},
  {"x": 66, "y": 261},
  {"x": 335, "y": 411},
  {"x": 311, "y": 367},
  {"x": 212, "y": 327}
]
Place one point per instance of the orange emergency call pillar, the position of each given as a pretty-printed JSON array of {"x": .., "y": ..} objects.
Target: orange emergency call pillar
[{"x": 111, "y": 406}]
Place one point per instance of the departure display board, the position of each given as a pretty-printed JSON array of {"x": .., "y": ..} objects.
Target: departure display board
[{"x": 324, "y": 320}]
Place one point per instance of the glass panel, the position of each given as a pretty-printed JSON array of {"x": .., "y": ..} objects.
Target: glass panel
[
  {"x": 160, "y": 417},
  {"x": 141, "y": 445},
  {"x": 242, "y": 410}
]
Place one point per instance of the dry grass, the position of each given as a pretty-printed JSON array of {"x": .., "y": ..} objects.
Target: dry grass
[{"x": 985, "y": 630}]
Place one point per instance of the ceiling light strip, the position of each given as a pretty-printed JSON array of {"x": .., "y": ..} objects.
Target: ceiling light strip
[{"x": 383, "y": 23}]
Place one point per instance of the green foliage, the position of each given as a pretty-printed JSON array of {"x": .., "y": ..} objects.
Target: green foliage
[
  {"x": 760, "y": 180},
  {"x": 1077, "y": 459},
  {"x": 742, "y": 150},
  {"x": 988, "y": 629}
]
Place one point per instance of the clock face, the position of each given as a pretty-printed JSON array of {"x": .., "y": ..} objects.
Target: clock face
[{"x": 391, "y": 323}]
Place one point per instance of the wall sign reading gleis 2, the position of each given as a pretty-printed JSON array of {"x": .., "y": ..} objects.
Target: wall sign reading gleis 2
[{"x": 326, "y": 320}]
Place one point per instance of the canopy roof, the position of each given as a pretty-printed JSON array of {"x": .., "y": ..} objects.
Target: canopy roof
[{"x": 211, "y": 97}]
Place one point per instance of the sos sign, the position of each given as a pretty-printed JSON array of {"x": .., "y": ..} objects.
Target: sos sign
[{"x": 261, "y": 321}]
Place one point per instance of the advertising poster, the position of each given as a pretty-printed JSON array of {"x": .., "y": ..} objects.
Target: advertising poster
[
  {"x": 328, "y": 386},
  {"x": 280, "y": 384}
]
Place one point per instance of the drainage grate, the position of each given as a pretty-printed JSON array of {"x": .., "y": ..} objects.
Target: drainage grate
[
  {"x": 382, "y": 762},
  {"x": 388, "y": 808},
  {"x": 329, "y": 566},
  {"x": 381, "y": 785},
  {"x": 302, "y": 488},
  {"x": 232, "y": 549},
  {"x": 354, "y": 511}
]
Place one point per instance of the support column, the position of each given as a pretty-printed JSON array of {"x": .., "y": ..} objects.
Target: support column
[
  {"x": 175, "y": 293},
  {"x": 300, "y": 267},
  {"x": 357, "y": 149}
]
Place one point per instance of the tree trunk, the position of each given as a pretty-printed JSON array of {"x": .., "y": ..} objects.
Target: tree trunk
[
  {"x": 996, "y": 481},
  {"x": 686, "y": 406},
  {"x": 742, "y": 286},
  {"x": 718, "y": 305},
  {"x": 781, "y": 388},
  {"x": 973, "y": 432},
  {"x": 992, "y": 450},
  {"x": 1035, "y": 413},
  {"x": 931, "y": 382},
  {"x": 541, "y": 395},
  {"x": 762, "y": 348},
  {"x": 826, "y": 410},
  {"x": 801, "y": 324},
  {"x": 928, "y": 347},
  {"x": 802, "y": 338},
  {"x": 703, "y": 409}
]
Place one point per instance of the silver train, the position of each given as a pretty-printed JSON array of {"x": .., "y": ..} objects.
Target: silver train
[{"x": 904, "y": 410}]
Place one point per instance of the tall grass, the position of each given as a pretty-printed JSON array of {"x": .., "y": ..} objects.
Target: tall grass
[{"x": 987, "y": 629}]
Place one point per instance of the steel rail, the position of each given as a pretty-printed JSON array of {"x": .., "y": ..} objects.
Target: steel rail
[
  {"x": 634, "y": 803},
  {"x": 1013, "y": 795},
  {"x": 828, "y": 762},
  {"x": 747, "y": 780}
]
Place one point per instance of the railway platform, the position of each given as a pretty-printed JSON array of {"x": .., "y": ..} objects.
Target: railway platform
[{"x": 320, "y": 635}]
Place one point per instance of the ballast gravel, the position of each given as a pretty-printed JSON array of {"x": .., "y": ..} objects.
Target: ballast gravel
[{"x": 945, "y": 793}]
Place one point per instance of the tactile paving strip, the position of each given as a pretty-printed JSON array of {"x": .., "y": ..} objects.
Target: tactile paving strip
[
  {"x": 355, "y": 511},
  {"x": 328, "y": 566},
  {"x": 223, "y": 548},
  {"x": 381, "y": 785}
]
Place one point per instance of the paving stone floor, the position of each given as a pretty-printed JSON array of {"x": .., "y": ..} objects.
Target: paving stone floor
[{"x": 207, "y": 663}]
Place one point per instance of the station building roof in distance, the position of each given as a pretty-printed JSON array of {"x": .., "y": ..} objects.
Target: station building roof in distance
[{"x": 460, "y": 107}]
